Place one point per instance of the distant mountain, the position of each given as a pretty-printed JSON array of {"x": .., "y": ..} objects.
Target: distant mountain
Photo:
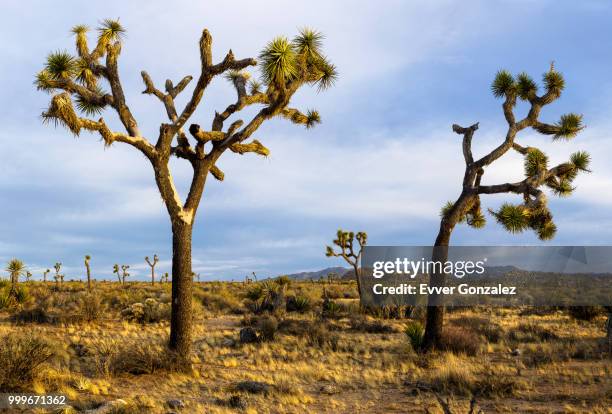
[{"x": 316, "y": 275}]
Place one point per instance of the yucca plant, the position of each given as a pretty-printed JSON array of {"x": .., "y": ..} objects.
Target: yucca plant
[
  {"x": 74, "y": 82},
  {"x": 532, "y": 212},
  {"x": 345, "y": 241},
  {"x": 15, "y": 268}
]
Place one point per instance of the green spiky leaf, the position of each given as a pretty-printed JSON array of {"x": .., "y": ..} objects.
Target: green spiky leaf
[
  {"x": 581, "y": 160},
  {"x": 535, "y": 162},
  {"x": 328, "y": 74},
  {"x": 446, "y": 209},
  {"x": 44, "y": 81},
  {"x": 254, "y": 87},
  {"x": 278, "y": 61},
  {"x": 502, "y": 84},
  {"x": 525, "y": 86},
  {"x": 476, "y": 219},
  {"x": 308, "y": 42},
  {"x": 569, "y": 126},
  {"x": 233, "y": 75},
  {"x": 79, "y": 29},
  {"x": 313, "y": 118},
  {"x": 547, "y": 231},
  {"x": 61, "y": 65},
  {"x": 514, "y": 218},
  {"x": 111, "y": 30},
  {"x": 563, "y": 188},
  {"x": 90, "y": 108},
  {"x": 553, "y": 81}
]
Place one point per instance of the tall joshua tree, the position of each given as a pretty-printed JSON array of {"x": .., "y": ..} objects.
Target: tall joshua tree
[
  {"x": 15, "y": 268},
  {"x": 345, "y": 241},
  {"x": 45, "y": 273},
  {"x": 116, "y": 271},
  {"x": 152, "y": 265},
  {"x": 87, "y": 267},
  {"x": 124, "y": 273},
  {"x": 286, "y": 66},
  {"x": 59, "y": 278},
  {"x": 532, "y": 213}
]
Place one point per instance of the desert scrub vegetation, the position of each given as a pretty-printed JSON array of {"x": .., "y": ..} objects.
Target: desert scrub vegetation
[{"x": 307, "y": 361}]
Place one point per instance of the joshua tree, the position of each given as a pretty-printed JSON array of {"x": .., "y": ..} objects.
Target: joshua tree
[
  {"x": 124, "y": 273},
  {"x": 46, "y": 272},
  {"x": 59, "y": 278},
  {"x": 116, "y": 271},
  {"x": 166, "y": 277},
  {"x": 28, "y": 276},
  {"x": 196, "y": 276},
  {"x": 331, "y": 276},
  {"x": 15, "y": 269},
  {"x": 286, "y": 66},
  {"x": 87, "y": 259},
  {"x": 152, "y": 265},
  {"x": 532, "y": 213},
  {"x": 345, "y": 241}
]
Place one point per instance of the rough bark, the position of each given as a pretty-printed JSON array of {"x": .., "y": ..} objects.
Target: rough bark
[{"x": 181, "y": 320}]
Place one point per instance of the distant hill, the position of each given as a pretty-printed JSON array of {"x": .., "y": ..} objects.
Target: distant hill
[{"x": 316, "y": 275}]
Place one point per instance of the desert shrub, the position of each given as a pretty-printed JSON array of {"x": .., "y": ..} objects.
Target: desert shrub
[
  {"x": 267, "y": 327},
  {"x": 92, "y": 307},
  {"x": 543, "y": 354},
  {"x": 330, "y": 309},
  {"x": 414, "y": 331},
  {"x": 151, "y": 311},
  {"x": 461, "y": 341},
  {"x": 319, "y": 336},
  {"x": 295, "y": 327},
  {"x": 482, "y": 326},
  {"x": 254, "y": 292},
  {"x": 362, "y": 324},
  {"x": 21, "y": 356},
  {"x": 35, "y": 314},
  {"x": 585, "y": 313},
  {"x": 495, "y": 384},
  {"x": 283, "y": 281},
  {"x": 300, "y": 304},
  {"x": 219, "y": 301},
  {"x": 133, "y": 357},
  {"x": 4, "y": 300},
  {"x": 531, "y": 332},
  {"x": 4, "y": 283}
]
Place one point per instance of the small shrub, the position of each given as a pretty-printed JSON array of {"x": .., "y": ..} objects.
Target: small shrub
[
  {"x": 255, "y": 292},
  {"x": 22, "y": 294},
  {"x": 585, "y": 313},
  {"x": 531, "y": 332},
  {"x": 92, "y": 307},
  {"x": 21, "y": 356},
  {"x": 453, "y": 376},
  {"x": 151, "y": 311},
  {"x": 330, "y": 309},
  {"x": 36, "y": 314},
  {"x": 318, "y": 335},
  {"x": 133, "y": 357},
  {"x": 267, "y": 327},
  {"x": 414, "y": 331},
  {"x": 300, "y": 304},
  {"x": 482, "y": 326},
  {"x": 4, "y": 300},
  {"x": 461, "y": 341},
  {"x": 363, "y": 324}
]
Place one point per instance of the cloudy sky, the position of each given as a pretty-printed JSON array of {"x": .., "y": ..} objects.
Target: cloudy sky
[{"x": 384, "y": 159}]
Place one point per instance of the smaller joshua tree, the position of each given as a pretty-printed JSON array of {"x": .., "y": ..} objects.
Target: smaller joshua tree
[
  {"x": 45, "y": 273},
  {"x": 87, "y": 259},
  {"x": 15, "y": 269},
  {"x": 166, "y": 277},
  {"x": 116, "y": 271},
  {"x": 59, "y": 278},
  {"x": 152, "y": 265},
  {"x": 28, "y": 276},
  {"x": 345, "y": 241},
  {"x": 124, "y": 273}
]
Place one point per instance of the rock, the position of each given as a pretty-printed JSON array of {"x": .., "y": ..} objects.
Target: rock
[
  {"x": 175, "y": 404},
  {"x": 228, "y": 342},
  {"x": 516, "y": 352},
  {"x": 237, "y": 401},
  {"x": 254, "y": 387},
  {"x": 248, "y": 335},
  {"x": 329, "y": 389}
]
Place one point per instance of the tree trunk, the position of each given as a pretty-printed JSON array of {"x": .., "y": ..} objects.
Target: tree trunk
[
  {"x": 182, "y": 282},
  {"x": 356, "y": 268},
  {"x": 152, "y": 276},
  {"x": 13, "y": 292},
  {"x": 435, "y": 306},
  {"x": 88, "y": 278}
]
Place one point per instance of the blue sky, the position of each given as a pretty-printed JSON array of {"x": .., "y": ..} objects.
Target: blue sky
[{"x": 384, "y": 159}]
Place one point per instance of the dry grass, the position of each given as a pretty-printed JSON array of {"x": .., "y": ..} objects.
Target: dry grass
[{"x": 346, "y": 363}]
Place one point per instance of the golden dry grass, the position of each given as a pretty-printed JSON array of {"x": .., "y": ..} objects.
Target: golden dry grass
[{"x": 109, "y": 358}]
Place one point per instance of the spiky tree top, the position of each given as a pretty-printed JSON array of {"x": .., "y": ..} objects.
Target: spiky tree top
[
  {"x": 154, "y": 262},
  {"x": 57, "y": 266},
  {"x": 16, "y": 268},
  {"x": 345, "y": 240},
  {"x": 78, "y": 81},
  {"x": 533, "y": 212}
]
